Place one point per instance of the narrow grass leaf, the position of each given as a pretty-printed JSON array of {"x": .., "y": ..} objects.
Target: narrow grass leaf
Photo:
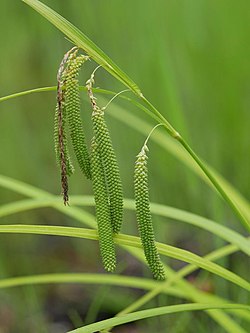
[
  {"x": 185, "y": 287},
  {"x": 86, "y": 278},
  {"x": 82, "y": 41},
  {"x": 104, "y": 324},
  {"x": 221, "y": 231},
  {"x": 132, "y": 241}
]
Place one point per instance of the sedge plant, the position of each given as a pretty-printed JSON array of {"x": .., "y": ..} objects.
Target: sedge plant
[{"x": 99, "y": 164}]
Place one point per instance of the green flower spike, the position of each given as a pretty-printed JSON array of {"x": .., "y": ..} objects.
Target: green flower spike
[
  {"x": 108, "y": 160},
  {"x": 111, "y": 169},
  {"x": 107, "y": 247},
  {"x": 72, "y": 105},
  {"x": 143, "y": 215},
  {"x": 60, "y": 139},
  {"x": 69, "y": 165}
]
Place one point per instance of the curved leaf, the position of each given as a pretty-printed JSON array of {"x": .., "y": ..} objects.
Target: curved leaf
[
  {"x": 161, "y": 210},
  {"x": 133, "y": 241},
  {"x": 82, "y": 41},
  {"x": 104, "y": 324}
]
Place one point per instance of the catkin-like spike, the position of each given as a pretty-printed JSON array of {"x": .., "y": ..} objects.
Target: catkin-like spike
[
  {"x": 69, "y": 165},
  {"x": 108, "y": 160},
  {"x": 107, "y": 247},
  {"x": 72, "y": 105},
  {"x": 59, "y": 132},
  {"x": 143, "y": 215},
  {"x": 111, "y": 169}
]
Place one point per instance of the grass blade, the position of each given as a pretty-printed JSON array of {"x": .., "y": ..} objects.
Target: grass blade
[
  {"x": 221, "y": 231},
  {"x": 107, "y": 279},
  {"x": 104, "y": 324},
  {"x": 198, "y": 296},
  {"x": 132, "y": 241},
  {"x": 185, "y": 287},
  {"x": 82, "y": 41}
]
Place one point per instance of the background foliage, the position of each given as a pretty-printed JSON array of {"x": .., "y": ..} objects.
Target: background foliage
[{"x": 191, "y": 59}]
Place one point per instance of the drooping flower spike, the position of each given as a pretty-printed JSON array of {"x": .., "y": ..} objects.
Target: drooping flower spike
[
  {"x": 72, "y": 98},
  {"x": 143, "y": 214},
  {"x": 108, "y": 160},
  {"x": 68, "y": 111},
  {"x": 105, "y": 233},
  {"x": 60, "y": 139}
]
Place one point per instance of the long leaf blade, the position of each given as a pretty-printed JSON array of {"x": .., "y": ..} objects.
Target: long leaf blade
[
  {"x": 132, "y": 241},
  {"x": 82, "y": 41},
  {"x": 104, "y": 324},
  {"x": 221, "y": 231}
]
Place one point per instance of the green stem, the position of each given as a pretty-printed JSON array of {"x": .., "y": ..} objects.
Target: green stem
[
  {"x": 216, "y": 184},
  {"x": 201, "y": 164},
  {"x": 170, "y": 129}
]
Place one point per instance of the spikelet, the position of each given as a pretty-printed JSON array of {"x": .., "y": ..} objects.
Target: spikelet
[
  {"x": 69, "y": 165},
  {"x": 111, "y": 169},
  {"x": 108, "y": 160},
  {"x": 72, "y": 105},
  {"x": 107, "y": 248},
  {"x": 62, "y": 154},
  {"x": 60, "y": 116},
  {"x": 60, "y": 140},
  {"x": 143, "y": 215}
]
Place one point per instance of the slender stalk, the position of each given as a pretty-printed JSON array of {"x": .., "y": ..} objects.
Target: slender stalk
[
  {"x": 151, "y": 132},
  {"x": 111, "y": 100}
]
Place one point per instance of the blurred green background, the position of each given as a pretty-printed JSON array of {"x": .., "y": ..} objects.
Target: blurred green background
[{"x": 191, "y": 59}]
